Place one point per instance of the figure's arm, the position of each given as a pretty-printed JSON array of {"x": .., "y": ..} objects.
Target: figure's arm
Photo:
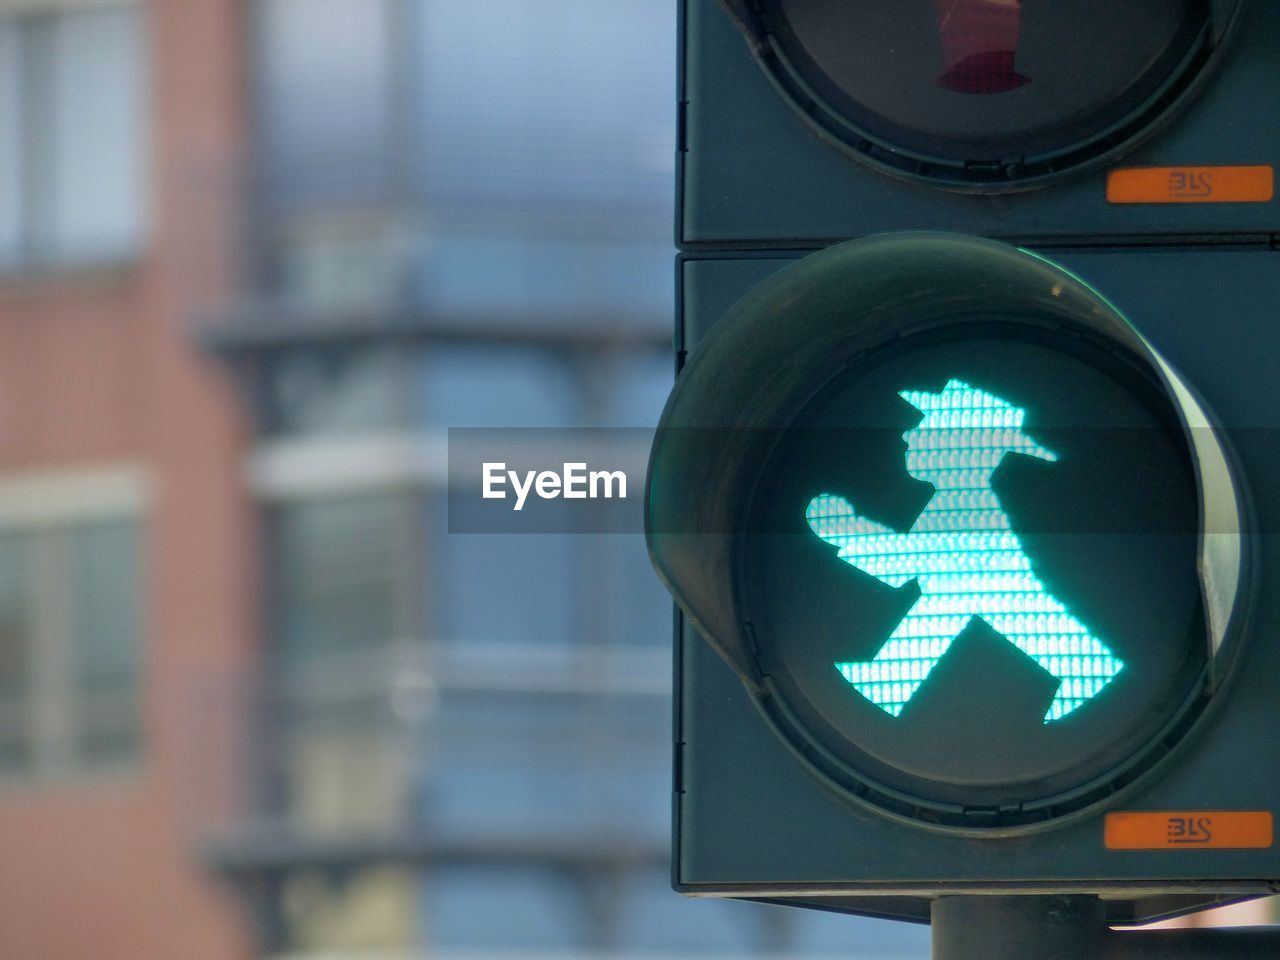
[{"x": 871, "y": 547}]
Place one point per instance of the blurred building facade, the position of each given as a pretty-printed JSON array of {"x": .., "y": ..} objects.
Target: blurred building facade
[
  {"x": 259, "y": 256},
  {"x": 125, "y": 532}
]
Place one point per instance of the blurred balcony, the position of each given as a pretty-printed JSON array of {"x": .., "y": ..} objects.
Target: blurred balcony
[
  {"x": 449, "y": 176},
  {"x": 472, "y": 753}
]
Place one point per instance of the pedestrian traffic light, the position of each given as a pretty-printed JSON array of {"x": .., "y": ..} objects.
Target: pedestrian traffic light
[
  {"x": 917, "y": 88},
  {"x": 836, "y": 119},
  {"x": 975, "y": 547},
  {"x": 970, "y": 538}
]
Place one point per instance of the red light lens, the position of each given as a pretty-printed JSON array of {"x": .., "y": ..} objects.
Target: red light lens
[{"x": 979, "y": 43}]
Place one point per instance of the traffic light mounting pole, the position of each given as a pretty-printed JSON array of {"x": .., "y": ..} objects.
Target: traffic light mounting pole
[{"x": 1075, "y": 928}]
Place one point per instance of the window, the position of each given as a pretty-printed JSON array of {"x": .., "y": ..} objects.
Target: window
[
  {"x": 71, "y": 137},
  {"x": 69, "y": 647},
  {"x": 336, "y": 390},
  {"x": 102, "y": 573},
  {"x": 15, "y": 634},
  {"x": 537, "y": 277},
  {"x": 341, "y": 609},
  {"x": 491, "y": 161},
  {"x": 637, "y": 606},
  {"x": 503, "y": 588},
  {"x": 557, "y": 116},
  {"x": 640, "y": 385},
  {"x": 545, "y": 137},
  {"x": 501, "y": 106},
  {"x": 323, "y": 83},
  {"x": 496, "y": 385},
  {"x": 540, "y": 909},
  {"x": 339, "y": 567}
]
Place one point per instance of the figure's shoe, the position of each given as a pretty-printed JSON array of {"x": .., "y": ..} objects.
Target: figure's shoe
[
  {"x": 1075, "y": 692},
  {"x": 887, "y": 684}
]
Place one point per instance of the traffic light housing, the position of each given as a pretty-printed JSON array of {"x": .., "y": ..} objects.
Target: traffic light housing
[
  {"x": 755, "y": 174},
  {"x": 878, "y": 719}
]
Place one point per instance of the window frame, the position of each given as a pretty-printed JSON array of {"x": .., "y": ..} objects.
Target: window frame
[
  {"x": 45, "y": 510},
  {"x": 38, "y": 249}
]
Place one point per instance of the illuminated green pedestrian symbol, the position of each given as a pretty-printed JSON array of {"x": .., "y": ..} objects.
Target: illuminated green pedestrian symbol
[{"x": 965, "y": 557}]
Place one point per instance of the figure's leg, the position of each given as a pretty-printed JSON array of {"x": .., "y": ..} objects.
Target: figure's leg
[
  {"x": 891, "y": 678},
  {"x": 1063, "y": 646}
]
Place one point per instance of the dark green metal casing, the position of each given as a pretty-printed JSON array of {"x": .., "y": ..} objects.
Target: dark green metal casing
[
  {"x": 752, "y": 821},
  {"x": 755, "y": 175},
  {"x": 1201, "y": 282}
]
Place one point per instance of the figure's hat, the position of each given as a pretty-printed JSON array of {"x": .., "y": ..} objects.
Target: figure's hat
[{"x": 961, "y": 407}]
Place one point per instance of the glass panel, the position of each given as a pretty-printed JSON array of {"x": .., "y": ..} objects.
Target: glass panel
[
  {"x": 496, "y": 387},
  {"x": 547, "y": 136},
  {"x": 11, "y": 142},
  {"x": 558, "y": 282},
  {"x": 523, "y": 110},
  {"x": 14, "y": 623},
  {"x": 15, "y": 650},
  {"x": 503, "y": 588},
  {"x": 106, "y": 576},
  {"x": 642, "y": 611},
  {"x": 640, "y": 385},
  {"x": 510, "y": 760},
  {"x": 105, "y": 582},
  {"x": 540, "y": 908},
  {"x": 97, "y": 129},
  {"x": 110, "y": 730},
  {"x": 336, "y": 390},
  {"x": 655, "y": 921},
  {"x": 336, "y": 566},
  {"x": 323, "y": 78}
]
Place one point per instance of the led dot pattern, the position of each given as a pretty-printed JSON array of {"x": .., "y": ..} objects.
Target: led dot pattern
[{"x": 965, "y": 557}]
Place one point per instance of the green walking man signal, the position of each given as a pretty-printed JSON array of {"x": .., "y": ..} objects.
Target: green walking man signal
[{"x": 965, "y": 558}]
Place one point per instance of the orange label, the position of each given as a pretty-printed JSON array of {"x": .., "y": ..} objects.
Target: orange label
[
  {"x": 1254, "y": 184},
  {"x": 1184, "y": 829}
]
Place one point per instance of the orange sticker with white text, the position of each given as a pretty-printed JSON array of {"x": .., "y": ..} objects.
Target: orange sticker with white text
[
  {"x": 1243, "y": 184},
  {"x": 1189, "y": 829}
]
